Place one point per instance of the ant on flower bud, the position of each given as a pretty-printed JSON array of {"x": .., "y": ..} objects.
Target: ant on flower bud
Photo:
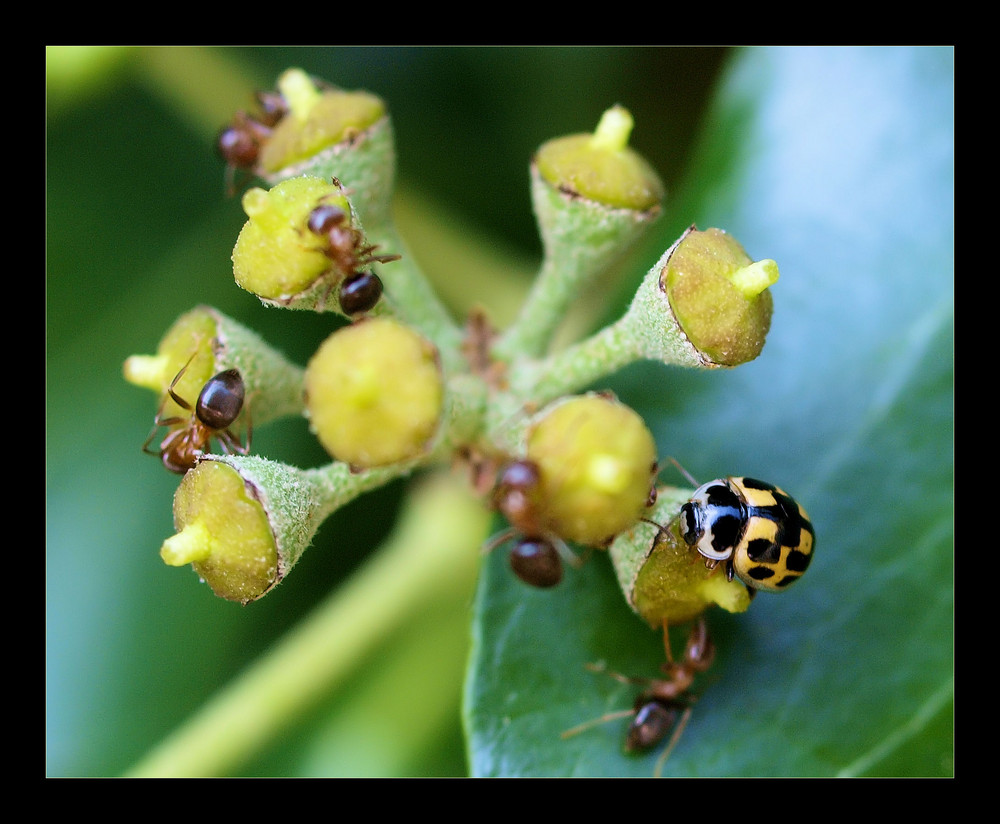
[
  {"x": 537, "y": 553},
  {"x": 217, "y": 408},
  {"x": 239, "y": 143},
  {"x": 345, "y": 247}
]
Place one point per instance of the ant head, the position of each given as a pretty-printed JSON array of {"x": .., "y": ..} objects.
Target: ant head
[{"x": 325, "y": 217}]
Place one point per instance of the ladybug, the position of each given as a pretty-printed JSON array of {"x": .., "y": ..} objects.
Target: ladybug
[{"x": 764, "y": 537}]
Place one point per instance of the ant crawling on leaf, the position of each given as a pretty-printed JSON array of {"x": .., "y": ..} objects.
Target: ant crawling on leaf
[
  {"x": 536, "y": 556},
  {"x": 219, "y": 404},
  {"x": 345, "y": 247},
  {"x": 664, "y": 707}
]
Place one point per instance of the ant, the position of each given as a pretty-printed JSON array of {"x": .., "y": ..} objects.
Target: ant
[
  {"x": 536, "y": 556},
  {"x": 219, "y": 404},
  {"x": 345, "y": 247},
  {"x": 240, "y": 142},
  {"x": 664, "y": 707}
]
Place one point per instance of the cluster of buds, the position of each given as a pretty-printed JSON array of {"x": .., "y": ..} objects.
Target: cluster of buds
[{"x": 400, "y": 385}]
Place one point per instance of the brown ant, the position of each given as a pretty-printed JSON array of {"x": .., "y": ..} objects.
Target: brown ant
[
  {"x": 537, "y": 554},
  {"x": 239, "y": 143},
  {"x": 359, "y": 293},
  {"x": 345, "y": 247},
  {"x": 664, "y": 707},
  {"x": 219, "y": 404}
]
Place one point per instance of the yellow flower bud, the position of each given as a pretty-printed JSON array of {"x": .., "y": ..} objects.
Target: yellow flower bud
[
  {"x": 374, "y": 393},
  {"x": 597, "y": 460},
  {"x": 720, "y": 296},
  {"x": 276, "y": 256},
  {"x": 223, "y": 532}
]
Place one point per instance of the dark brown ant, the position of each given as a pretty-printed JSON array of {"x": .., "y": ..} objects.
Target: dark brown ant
[
  {"x": 664, "y": 707},
  {"x": 219, "y": 404},
  {"x": 240, "y": 142},
  {"x": 345, "y": 245},
  {"x": 537, "y": 554},
  {"x": 359, "y": 293}
]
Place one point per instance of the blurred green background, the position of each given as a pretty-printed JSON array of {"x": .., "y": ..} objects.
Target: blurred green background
[{"x": 139, "y": 230}]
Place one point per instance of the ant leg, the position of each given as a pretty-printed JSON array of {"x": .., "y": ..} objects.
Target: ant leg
[
  {"x": 567, "y": 554},
  {"x": 231, "y": 444},
  {"x": 674, "y": 738},
  {"x": 596, "y": 722},
  {"x": 501, "y": 537},
  {"x": 690, "y": 478},
  {"x": 183, "y": 404},
  {"x": 666, "y": 644}
]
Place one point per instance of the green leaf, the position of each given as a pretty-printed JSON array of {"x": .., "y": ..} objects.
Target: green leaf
[{"x": 838, "y": 164}]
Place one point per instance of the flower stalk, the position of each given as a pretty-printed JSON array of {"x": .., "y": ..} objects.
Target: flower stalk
[{"x": 593, "y": 197}]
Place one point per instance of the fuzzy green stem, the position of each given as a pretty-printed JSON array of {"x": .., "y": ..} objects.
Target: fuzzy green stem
[
  {"x": 582, "y": 238},
  {"x": 410, "y": 297},
  {"x": 431, "y": 554}
]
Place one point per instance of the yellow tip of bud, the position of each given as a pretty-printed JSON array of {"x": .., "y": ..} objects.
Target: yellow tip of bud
[
  {"x": 608, "y": 473},
  {"x": 753, "y": 279},
  {"x": 732, "y": 596},
  {"x": 613, "y": 130},
  {"x": 148, "y": 371},
  {"x": 299, "y": 91},
  {"x": 192, "y": 544},
  {"x": 256, "y": 202}
]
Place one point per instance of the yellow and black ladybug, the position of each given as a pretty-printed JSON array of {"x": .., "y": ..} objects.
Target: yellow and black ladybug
[{"x": 764, "y": 537}]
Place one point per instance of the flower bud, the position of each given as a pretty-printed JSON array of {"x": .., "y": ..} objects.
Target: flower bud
[
  {"x": 204, "y": 342},
  {"x": 277, "y": 256},
  {"x": 719, "y": 295},
  {"x": 601, "y": 167},
  {"x": 593, "y": 197},
  {"x": 374, "y": 393},
  {"x": 317, "y": 119},
  {"x": 224, "y": 532},
  {"x": 596, "y": 460},
  {"x": 664, "y": 580},
  {"x": 243, "y": 521}
]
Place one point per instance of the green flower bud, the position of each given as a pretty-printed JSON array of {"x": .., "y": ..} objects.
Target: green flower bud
[
  {"x": 597, "y": 461},
  {"x": 593, "y": 197},
  {"x": 664, "y": 580},
  {"x": 223, "y": 531},
  {"x": 243, "y": 522},
  {"x": 601, "y": 167},
  {"x": 204, "y": 342},
  {"x": 317, "y": 119},
  {"x": 719, "y": 295},
  {"x": 276, "y": 256},
  {"x": 374, "y": 393}
]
